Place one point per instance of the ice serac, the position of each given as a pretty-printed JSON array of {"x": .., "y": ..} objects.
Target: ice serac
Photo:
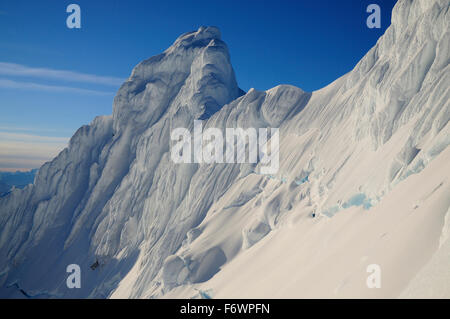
[{"x": 368, "y": 154}]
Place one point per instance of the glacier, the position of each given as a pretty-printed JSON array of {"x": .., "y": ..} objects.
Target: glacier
[{"x": 368, "y": 154}]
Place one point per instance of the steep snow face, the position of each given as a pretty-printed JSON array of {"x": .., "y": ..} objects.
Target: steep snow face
[
  {"x": 368, "y": 155},
  {"x": 113, "y": 189},
  {"x": 360, "y": 149}
]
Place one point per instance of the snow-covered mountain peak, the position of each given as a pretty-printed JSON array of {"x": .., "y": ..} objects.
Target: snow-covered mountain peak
[
  {"x": 204, "y": 33},
  {"x": 194, "y": 74}
]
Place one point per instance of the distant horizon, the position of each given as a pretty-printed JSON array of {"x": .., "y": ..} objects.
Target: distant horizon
[{"x": 15, "y": 170}]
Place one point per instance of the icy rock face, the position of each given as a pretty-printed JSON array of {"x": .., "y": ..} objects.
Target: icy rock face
[
  {"x": 59, "y": 188},
  {"x": 158, "y": 228},
  {"x": 114, "y": 186}
]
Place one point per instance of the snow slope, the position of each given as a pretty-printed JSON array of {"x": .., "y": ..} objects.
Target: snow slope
[{"x": 368, "y": 153}]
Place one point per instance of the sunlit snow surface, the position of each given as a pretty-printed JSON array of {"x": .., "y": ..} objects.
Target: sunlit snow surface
[{"x": 368, "y": 154}]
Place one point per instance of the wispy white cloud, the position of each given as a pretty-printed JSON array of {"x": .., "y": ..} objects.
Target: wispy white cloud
[
  {"x": 14, "y": 69},
  {"x": 11, "y": 84}
]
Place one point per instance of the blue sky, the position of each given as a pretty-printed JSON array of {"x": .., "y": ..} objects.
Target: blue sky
[{"x": 54, "y": 79}]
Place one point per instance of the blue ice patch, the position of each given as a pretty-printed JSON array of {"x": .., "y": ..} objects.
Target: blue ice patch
[{"x": 303, "y": 180}]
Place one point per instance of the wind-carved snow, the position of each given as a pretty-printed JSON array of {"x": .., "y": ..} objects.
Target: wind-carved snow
[{"x": 367, "y": 154}]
